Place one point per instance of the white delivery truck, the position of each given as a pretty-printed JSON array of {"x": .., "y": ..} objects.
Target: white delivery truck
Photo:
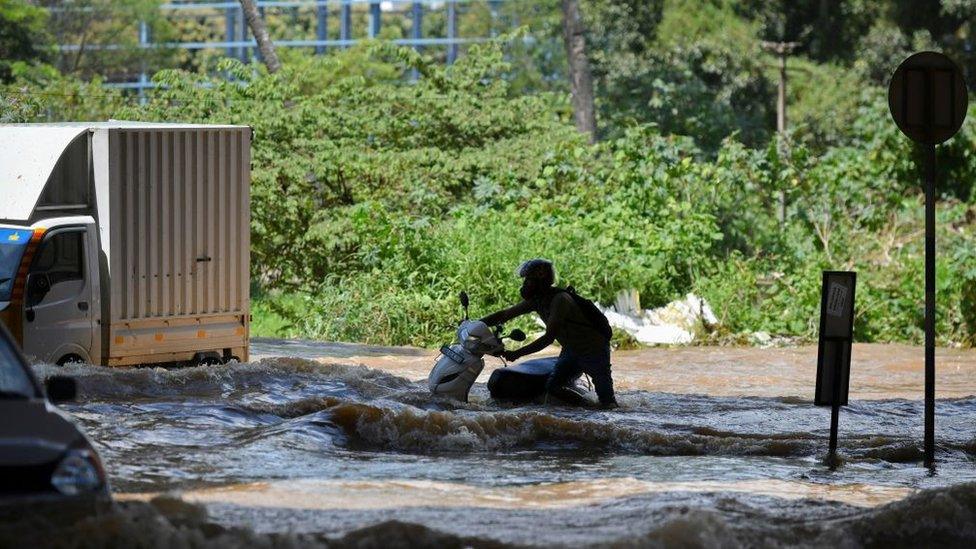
[{"x": 125, "y": 243}]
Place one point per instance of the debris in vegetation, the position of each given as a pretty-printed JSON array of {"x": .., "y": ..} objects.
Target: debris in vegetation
[{"x": 676, "y": 323}]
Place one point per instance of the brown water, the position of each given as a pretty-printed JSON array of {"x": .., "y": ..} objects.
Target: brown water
[
  {"x": 712, "y": 446},
  {"x": 877, "y": 371}
]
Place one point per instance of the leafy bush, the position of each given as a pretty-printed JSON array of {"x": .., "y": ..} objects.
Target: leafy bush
[
  {"x": 23, "y": 37},
  {"x": 374, "y": 200}
]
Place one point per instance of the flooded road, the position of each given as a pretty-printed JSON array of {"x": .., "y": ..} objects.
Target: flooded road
[{"x": 712, "y": 446}]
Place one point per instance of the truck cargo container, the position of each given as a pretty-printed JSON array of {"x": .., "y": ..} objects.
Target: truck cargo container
[{"x": 126, "y": 243}]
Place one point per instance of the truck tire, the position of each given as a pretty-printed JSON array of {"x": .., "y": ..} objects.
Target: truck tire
[
  {"x": 70, "y": 359},
  {"x": 210, "y": 358}
]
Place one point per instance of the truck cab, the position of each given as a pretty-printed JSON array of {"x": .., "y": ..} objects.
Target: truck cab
[{"x": 57, "y": 287}]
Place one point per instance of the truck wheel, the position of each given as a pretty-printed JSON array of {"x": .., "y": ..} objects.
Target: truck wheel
[
  {"x": 70, "y": 359},
  {"x": 207, "y": 359}
]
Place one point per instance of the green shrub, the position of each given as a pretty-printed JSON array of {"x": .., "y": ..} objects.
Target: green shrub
[{"x": 375, "y": 201}]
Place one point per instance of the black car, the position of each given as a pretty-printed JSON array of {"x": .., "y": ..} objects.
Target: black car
[{"x": 45, "y": 460}]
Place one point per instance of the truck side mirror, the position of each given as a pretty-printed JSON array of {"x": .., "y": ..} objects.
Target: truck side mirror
[
  {"x": 61, "y": 389},
  {"x": 38, "y": 285}
]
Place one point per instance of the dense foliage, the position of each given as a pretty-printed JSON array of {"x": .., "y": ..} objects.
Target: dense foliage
[
  {"x": 21, "y": 34},
  {"x": 375, "y": 200}
]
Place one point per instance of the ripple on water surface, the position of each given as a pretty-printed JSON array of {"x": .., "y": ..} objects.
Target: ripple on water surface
[{"x": 292, "y": 437}]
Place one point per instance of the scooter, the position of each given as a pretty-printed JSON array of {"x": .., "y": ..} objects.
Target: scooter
[{"x": 461, "y": 363}]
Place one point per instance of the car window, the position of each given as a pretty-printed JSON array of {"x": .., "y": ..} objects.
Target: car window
[
  {"x": 13, "y": 379},
  {"x": 60, "y": 257}
]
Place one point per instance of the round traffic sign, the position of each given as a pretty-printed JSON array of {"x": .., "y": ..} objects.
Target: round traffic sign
[{"x": 927, "y": 97}]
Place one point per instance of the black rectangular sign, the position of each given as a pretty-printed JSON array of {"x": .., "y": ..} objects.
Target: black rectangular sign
[{"x": 836, "y": 336}]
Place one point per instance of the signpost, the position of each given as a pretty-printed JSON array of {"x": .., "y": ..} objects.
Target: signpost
[
  {"x": 834, "y": 349},
  {"x": 927, "y": 98}
]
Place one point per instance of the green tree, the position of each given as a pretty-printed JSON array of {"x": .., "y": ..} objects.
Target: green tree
[
  {"x": 23, "y": 37},
  {"x": 101, "y": 37},
  {"x": 826, "y": 30},
  {"x": 701, "y": 74}
]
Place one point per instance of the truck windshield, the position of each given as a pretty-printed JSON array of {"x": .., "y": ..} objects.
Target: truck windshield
[
  {"x": 13, "y": 242},
  {"x": 14, "y": 382}
]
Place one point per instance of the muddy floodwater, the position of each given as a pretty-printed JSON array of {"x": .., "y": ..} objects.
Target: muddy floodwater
[{"x": 343, "y": 444}]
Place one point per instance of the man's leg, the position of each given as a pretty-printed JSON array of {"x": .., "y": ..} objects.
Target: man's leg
[
  {"x": 567, "y": 369},
  {"x": 598, "y": 368},
  {"x": 603, "y": 384}
]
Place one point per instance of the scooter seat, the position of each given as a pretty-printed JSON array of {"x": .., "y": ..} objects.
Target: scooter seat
[{"x": 525, "y": 382}]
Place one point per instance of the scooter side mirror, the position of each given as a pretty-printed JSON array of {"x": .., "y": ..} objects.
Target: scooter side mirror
[{"x": 516, "y": 335}]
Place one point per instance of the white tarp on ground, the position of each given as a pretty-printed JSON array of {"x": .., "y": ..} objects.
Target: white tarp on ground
[{"x": 675, "y": 323}]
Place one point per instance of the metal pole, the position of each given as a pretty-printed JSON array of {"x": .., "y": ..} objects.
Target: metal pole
[
  {"x": 143, "y": 79},
  {"x": 781, "y": 94},
  {"x": 230, "y": 29},
  {"x": 374, "y": 19},
  {"x": 835, "y": 401},
  {"x": 345, "y": 21},
  {"x": 782, "y": 51},
  {"x": 417, "y": 31},
  {"x": 493, "y": 9},
  {"x": 242, "y": 52},
  {"x": 452, "y": 49},
  {"x": 781, "y": 122},
  {"x": 929, "y": 305},
  {"x": 322, "y": 26}
]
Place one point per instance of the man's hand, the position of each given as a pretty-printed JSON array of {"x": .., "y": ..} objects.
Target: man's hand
[{"x": 510, "y": 356}]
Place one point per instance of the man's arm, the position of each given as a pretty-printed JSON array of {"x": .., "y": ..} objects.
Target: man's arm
[
  {"x": 553, "y": 325},
  {"x": 504, "y": 315},
  {"x": 544, "y": 341}
]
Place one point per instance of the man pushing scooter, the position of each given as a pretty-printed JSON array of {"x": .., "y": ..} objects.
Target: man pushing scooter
[{"x": 580, "y": 328}]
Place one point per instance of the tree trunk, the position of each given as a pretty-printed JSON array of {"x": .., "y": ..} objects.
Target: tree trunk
[
  {"x": 580, "y": 77},
  {"x": 260, "y": 32}
]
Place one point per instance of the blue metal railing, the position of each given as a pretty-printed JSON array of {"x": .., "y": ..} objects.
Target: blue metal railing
[{"x": 236, "y": 42}]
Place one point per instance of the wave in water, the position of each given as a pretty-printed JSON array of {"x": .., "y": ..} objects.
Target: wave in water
[
  {"x": 278, "y": 376},
  {"x": 376, "y": 410},
  {"x": 388, "y": 425}
]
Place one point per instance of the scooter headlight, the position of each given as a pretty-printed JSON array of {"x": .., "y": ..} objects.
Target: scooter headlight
[{"x": 79, "y": 472}]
